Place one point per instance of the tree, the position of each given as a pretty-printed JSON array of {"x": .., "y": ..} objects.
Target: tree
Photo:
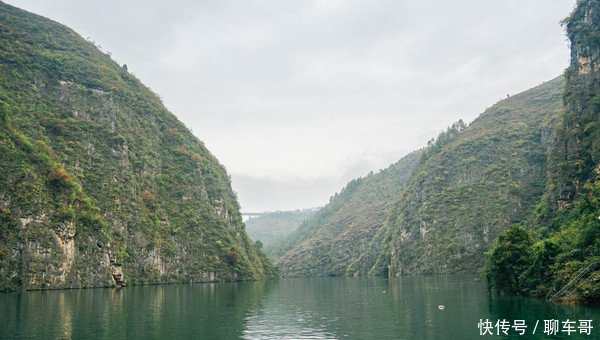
[{"x": 508, "y": 260}]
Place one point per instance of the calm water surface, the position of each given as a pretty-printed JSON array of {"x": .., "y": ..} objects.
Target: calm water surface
[{"x": 319, "y": 308}]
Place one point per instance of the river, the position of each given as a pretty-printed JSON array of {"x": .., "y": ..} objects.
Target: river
[{"x": 309, "y": 308}]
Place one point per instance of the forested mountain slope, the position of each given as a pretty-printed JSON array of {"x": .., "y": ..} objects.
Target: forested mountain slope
[
  {"x": 98, "y": 179},
  {"x": 472, "y": 184},
  {"x": 444, "y": 209},
  {"x": 563, "y": 241},
  {"x": 335, "y": 239}
]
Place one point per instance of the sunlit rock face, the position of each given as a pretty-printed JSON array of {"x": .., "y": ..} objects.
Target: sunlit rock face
[{"x": 575, "y": 155}]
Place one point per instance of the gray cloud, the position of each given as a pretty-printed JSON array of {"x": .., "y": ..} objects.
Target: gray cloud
[{"x": 297, "y": 97}]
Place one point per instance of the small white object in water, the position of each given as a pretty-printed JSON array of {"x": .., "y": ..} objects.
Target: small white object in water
[
  {"x": 441, "y": 307},
  {"x": 384, "y": 292}
]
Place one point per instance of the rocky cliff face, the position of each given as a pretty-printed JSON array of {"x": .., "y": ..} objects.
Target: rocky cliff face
[
  {"x": 97, "y": 179},
  {"x": 474, "y": 184},
  {"x": 563, "y": 240},
  {"x": 576, "y": 153}
]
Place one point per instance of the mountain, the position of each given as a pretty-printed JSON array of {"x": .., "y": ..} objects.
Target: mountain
[
  {"x": 440, "y": 209},
  {"x": 98, "y": 181},
  {"x": 557, "y": 255},
  {"x": 576, "y": 151},
  {"x": 472, "y": 185},
  {"x": 516, "y": 193},
  {"x": 336, "y": 240},
  {"x": 268, "y": 228}
]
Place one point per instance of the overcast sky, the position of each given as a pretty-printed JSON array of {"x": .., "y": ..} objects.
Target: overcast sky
[{"x": 296, "y": 98}]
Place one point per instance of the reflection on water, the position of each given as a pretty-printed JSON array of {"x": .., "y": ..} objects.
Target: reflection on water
[
  {"x": 66, "y": 321},
  {"x": 319, "y": 308}
]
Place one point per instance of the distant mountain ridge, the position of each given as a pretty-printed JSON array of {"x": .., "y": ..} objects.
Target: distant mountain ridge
[{"x": 270, "y": 227}]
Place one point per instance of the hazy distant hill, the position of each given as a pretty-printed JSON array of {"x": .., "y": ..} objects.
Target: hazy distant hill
[
  {"x": 272, "y": 226},
  {"x": 98, "y": 179}
]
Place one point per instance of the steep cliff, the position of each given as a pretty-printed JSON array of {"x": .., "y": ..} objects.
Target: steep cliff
[
  {"x": 563, "y": 240},
  {"x": 98, "y": 179},
  {"x": 576, "y": 152}
]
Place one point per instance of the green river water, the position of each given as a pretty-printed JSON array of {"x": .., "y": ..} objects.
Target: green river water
[{"x": 317, "y": 308}]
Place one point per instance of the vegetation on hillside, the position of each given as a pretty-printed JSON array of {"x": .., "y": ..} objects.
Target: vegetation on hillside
[
  {"x": 98, "y": 179},
  {"x": 97, "y": 176},
  {"x": 522, "y": 181},
  {"x": 563, "y": 241},
  {"x": 337, "y": 240},
  {"x": 444, "y": 209},
  {"x": 472, "y": 183}
]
